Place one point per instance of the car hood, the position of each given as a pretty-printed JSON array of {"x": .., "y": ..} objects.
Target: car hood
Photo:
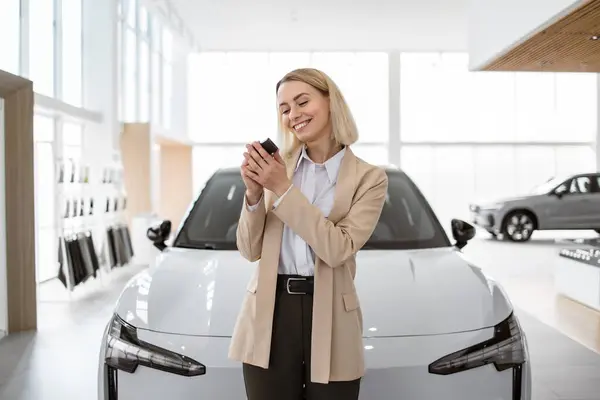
[
  {"x": 486, "y": 202},
  {"x": 424, "y": 292}
]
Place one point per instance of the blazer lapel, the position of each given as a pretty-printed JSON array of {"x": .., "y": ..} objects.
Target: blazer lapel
[
  {"x": 292, "y": 163},
  {"x": 344, "y": 188},
  {"x": 323, "y": 316}
]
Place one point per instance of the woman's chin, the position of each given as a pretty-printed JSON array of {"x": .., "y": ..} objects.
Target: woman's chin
[{"x": 304, "y": 136}]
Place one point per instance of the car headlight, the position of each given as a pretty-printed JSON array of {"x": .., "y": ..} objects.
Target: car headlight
[
  {"x": 505, "y": 350},
  {"x": 124, "y": 351},
  {"x": 493, "y": 206}
]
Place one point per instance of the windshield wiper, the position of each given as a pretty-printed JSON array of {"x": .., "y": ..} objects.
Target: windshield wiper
[
  {"x": 199, "y": 246},
  {"x": 206, "y": 246}
]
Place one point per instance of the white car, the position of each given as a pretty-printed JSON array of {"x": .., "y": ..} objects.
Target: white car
[{"x": 434, "y": 325}]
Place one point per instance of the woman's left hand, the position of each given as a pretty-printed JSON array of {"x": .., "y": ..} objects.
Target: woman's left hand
[{"x": 268, "y": 170}]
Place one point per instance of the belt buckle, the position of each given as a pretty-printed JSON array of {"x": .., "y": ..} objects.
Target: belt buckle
[{"x": 287, "y": 285}]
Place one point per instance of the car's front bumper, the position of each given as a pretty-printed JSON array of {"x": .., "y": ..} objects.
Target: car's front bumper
[
  {"x": 223, "y": 378},
  {"x": 487, "y": 219},
  {"x": 397, "y": 367}
]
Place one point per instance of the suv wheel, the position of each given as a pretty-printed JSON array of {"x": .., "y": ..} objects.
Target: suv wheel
[{"x": 518, "y": 226}]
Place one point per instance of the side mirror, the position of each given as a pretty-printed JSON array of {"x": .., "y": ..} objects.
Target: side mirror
[
  {"x": 560, "y": 191},
  {"x": 159, "y": 233},
  {"x": 462, "y": 232}
]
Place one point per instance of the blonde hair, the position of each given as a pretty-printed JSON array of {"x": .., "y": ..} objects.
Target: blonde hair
[{"x": 344, "y": 129}]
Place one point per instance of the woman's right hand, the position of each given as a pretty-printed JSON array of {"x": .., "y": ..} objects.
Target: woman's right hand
[{"x": 254, "y": 190}]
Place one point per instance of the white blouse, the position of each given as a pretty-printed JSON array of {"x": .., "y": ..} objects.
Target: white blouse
[{"x": 317, "y": 183}]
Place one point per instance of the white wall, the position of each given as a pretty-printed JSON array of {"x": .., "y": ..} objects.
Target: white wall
[
  {"x": 100, "y": 73},
  {"x": 494, "y": 26},
  {"x": 313, "y": 25},
  {"x": 180, "y": 86},
  {"x": 597, "y": 148},
  {"x": 3, "y": 278}
]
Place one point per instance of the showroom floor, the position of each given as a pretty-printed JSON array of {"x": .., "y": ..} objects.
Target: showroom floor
[{"x": 59, "y": 362}]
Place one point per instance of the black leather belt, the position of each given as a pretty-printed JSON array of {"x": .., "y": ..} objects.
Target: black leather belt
[{"x": 296, "y": 284}]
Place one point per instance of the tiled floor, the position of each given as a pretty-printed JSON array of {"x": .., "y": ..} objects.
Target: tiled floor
[
  {"x": 526, "y": 271},
  {"x": 59, "y": 362}
]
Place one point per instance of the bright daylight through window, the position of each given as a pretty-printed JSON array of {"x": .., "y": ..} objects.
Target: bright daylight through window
[
  {"x": 518, "y": 121},
  {"x": 41, "y": 46},
  {"x": 45, "y": 201},
  {"x": 216, "y": 79},
  {"x": 10, "y": 28},
  {"x": 72, "y": 62}
]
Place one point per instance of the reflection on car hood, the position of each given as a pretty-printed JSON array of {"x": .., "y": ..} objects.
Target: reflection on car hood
[
  {"x": 199, "y": 292},
  {"x": 487, "y": 202}
]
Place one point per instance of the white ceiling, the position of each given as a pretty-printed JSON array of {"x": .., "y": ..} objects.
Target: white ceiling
[{"x": 284, "y": 25}]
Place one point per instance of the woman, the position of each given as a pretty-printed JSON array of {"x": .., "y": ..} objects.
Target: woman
[{"x": 305, "y": 216}]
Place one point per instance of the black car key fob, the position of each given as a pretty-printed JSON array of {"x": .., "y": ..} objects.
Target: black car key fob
[{"x": 269, "y": 146}]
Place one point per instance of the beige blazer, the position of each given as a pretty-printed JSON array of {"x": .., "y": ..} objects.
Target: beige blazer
[{"x": 337, "y": 347}]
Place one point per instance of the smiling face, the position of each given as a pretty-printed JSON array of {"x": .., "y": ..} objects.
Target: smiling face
[{"x": 304, "y": 110}]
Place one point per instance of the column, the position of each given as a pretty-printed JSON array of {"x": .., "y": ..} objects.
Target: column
[
  {"x": 597, "y": 143},
  {"x": 3, "y": 272},
  {"x": 17, "y": 213},
  {"x": 100, "y": 76},
  {"x": 394, "y": 142}
]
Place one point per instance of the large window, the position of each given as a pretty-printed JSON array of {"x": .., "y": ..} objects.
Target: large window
[
  {"x": 72, "y": 64},
  {"x": 240, "y": 87},
  {"x": 144, "y": 81},
  {"x": 167, "y": 77},
  {"x": 146, "y": 65},
  {"x": 167, "y": 94},
  {"x": 375, "y": 154},
  {"x": 45, "y": 205},
  {"x": 441, "y": 101},
  {"x": 129, "y": 61},
  {"x": 72, "y": 135},
  {"x": 10, "y": 30},
  {"x": 229, "y": 98},
  {"x": 448, "y": 113},
  {"x": 120, "y": 72},
  {"x": 156, "y": 67},
  {"x": 207, "y": 159},
  {"x": 130, "y": 76},
  {"x": 452, "y": 176},
  {"x": 363, "y": 80},
  {"x": 41, "y": 46}
]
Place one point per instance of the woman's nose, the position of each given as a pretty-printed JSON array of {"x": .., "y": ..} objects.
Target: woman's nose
[{"x": 294, "y": 114}]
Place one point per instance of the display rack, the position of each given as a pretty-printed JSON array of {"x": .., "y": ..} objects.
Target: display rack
[
  {"x": 91, "y": 209},
  {"x": 577, "y": 275}
]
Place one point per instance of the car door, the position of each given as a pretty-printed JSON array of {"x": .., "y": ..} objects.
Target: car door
[
  {"x": 594, "y": 203},
  {"x": 576, "y": 206}
]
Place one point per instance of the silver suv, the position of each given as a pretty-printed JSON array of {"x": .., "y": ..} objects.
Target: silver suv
[{"x": 570, "y": 202}]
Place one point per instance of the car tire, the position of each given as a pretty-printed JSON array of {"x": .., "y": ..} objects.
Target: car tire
[
  {"x": 518, "y": 226},
  {"x": 597, "y": 231}
]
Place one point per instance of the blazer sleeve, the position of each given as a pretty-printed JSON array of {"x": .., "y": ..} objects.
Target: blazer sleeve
[
  {"x": 250, "y": 230},
  {"x": 335, "y": 243}
]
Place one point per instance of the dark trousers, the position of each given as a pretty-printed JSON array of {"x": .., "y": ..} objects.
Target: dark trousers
[{"x": 288, "y": 375}]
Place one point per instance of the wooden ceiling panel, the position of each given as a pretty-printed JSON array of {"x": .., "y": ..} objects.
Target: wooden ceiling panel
[{"x": 571, "y": 44}]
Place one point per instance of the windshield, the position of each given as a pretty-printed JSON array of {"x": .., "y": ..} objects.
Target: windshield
[
  {"x": 406, "y": 222},
  {"x": 549, "y": 185}
]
